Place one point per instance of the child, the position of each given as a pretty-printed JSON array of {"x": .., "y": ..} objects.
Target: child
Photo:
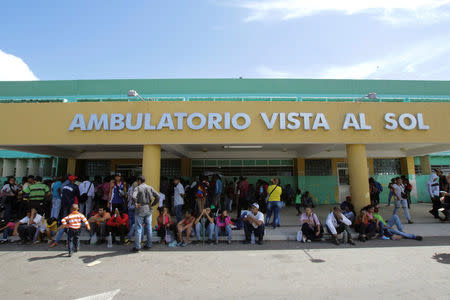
[
  {"x": 51, "y": 229},
  {"x": 7, "y": 228},
  {"x": 73, "y": 223},
  {"x": 298, "y": 202}
]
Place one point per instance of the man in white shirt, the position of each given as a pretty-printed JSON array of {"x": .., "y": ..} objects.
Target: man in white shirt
[
  {"x": 87, "y": 193},
  {"x": 433, "y": 191},
  {"x": 178, "y": 199},
  {"x": 253, "y": 222},
  {"x": 400, "y": 198},
  {"x": 338, "y": 223},
  {"x": 26, "y": 228}
]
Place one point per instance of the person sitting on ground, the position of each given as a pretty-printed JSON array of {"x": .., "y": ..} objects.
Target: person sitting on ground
[
  {"x": 348, "y": 203},
  {"x": 27, "y": 227},
  {"x": 118, "y": 225},
  {"x": 205, "y": 221},
  {"x": 307, "y": 200},
  {"x": 7, "y": 229},
  {"x": 445, "y": 207},
  {"x": 223, "y": 226},
  {"x": 387, "y": 230},
  {"x": 311, "y": 228},
  {"x": 185, "y": 224},
  {"x": 164, "y": 224},
  {"x": 298, "y": 202},
  {"x": 254, "y": 223},
  {"x": 72, "y": 222},
  {"x": 98, "y": 225},
  {"x": 366, "y": 224},
  {"x": 347, "y": 211},
  {"x": 51, "y": 229},
  {"x": 337, "y": 223},
  {"x": 61, "y": 230}
]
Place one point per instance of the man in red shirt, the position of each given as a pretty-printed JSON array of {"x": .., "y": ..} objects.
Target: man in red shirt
[{"x": 118, "y": 225}]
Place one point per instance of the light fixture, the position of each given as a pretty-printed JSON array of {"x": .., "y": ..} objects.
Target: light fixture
[
  {"x": 242, "y": 147},
  {"x": 133, "y": 93}
]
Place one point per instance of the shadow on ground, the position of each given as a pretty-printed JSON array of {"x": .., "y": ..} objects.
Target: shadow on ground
[{"x": 443, "y": 258}]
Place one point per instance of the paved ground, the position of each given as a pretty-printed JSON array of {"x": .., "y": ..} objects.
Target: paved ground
[{"x": 277, "y": 270}]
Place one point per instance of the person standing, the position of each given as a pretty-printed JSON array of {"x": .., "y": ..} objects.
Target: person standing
[
  {"x": 433, "y": 191},
  {"x": 87, "y": 193},
  {"x": 37, "y": 193},
  {"x": 117, "y": 192},
  {"x": 241, "y": 195},
  {"x": 274, "y": 202},
  {"x": 69, "y": 195},
  {"x": 217, "y": 191},
  {"x": 56, "y": 198},
  {"x": 400, "y": 199},
  {"x": 9, "y": 191},
  {"x": 178, "y": 198},
  {"x": 229, "y": 196},
  {"x": 144, "y": 197},
  {"x": 72, "y": 222},
  {"x": 375, "y": 190}
]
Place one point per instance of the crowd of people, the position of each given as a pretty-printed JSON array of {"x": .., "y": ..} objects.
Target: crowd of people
[{"x": 116, "y": 208}]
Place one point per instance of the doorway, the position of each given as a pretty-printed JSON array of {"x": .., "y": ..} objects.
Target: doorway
[{"x": 343, "y": 181}]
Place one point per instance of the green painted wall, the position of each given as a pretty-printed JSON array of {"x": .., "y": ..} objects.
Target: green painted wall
[
  {"x": 420, "y": 181},
  {"x": 323, "y": 189}
]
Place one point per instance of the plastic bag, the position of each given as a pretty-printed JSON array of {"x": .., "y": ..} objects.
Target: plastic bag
[
  {"x": 299, "y": 236},
  {"x": 94, "y": 239},
  {"x": 168, "y": 237}
]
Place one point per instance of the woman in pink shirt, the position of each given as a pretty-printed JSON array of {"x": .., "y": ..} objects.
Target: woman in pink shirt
[
  {"x": 223, "y": 226},
  {"x": 311, "y": 228}
]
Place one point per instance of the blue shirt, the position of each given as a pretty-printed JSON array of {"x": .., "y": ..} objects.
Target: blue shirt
[{"x": 56, "y": 185}]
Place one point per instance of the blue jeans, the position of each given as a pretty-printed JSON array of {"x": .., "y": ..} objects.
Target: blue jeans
[
  {"x": 139, "y": 228},
  {"x": 59, "y": 234},
  {"x": 391, "y": 194},
  {"x": 273, "y": 206},
  {"x": 7, "y": 232},
  {"x": 223, "y": 230},
  {"x": 395, "y": 220},
  {"x": 209, "y": 230},
  {"x": 403, "y": 203},
  {"x": 179, "y": 212},
  {"x": 131, "y": 216},
  {"x": 132, "y": 232}
]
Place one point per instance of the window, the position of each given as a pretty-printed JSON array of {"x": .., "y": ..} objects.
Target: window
[
  {"x": 387, "y": 166},
  {"x": 97, "y": 167},
  {"x": 318, "y": 167},
  {"x": 170, "y": 167}
]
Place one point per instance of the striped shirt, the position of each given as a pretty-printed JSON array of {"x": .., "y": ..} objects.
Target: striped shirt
[
  {"x": 37, "y": 191},
  {"x": 74, "y": 220}
]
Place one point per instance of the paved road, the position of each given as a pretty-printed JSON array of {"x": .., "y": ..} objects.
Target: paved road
[{"x": 276, "y": 270}]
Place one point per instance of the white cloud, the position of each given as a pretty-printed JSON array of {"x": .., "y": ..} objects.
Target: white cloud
[
  {"x": 392, "y": 11},
  {"x": 13, "y": 68},
  {"x": 425, "y": 60}
]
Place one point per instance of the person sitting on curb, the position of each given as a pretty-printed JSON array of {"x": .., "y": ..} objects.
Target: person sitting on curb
[
  {"x": 118, "y": 225},
  {"x": 223, "y": 226},
  {"x": 185, "y": 225},
  {"x": 366, "y": 225},
  {"x": 311, "y": 228},
  {"x": 164, "y": 224},
  {"x": 28, "y": 226},
  {"x": 387, "y": 230},
  {"x": 206, "y": 221},
  {"x": 98, "y": 225},
  {"x": 338, "y": 223},
  {"x": 253, "y": 223},
  {"x": 347, "y": 209}
]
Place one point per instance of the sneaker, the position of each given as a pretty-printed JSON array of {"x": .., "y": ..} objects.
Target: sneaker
[
  {"x": 229, "y": 242},
  {"x": 70, "y": 255},
  {"x": 127, "y": 242},
  {"x": 135, "y": 250},
  {"x": 308, "y": 241},
  {"x": 54, "y": 244},
  {"x": 179, "y": 244},
  {"x": 383, "y": 237},
  {"x": 410, "y": 222},
  {"x": 304, "y": 239},
  {"x": 210, "y": 242},
  {"x": 351, "y": 242},
  {"x": 246, "y": 242},
  {"x": 419, "y": 238},
  {"x": 147, "y": 247},
  {"x": 183, "y": 244}
]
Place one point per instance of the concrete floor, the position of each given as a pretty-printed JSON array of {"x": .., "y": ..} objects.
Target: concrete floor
[{"x": 276, "y": 270}]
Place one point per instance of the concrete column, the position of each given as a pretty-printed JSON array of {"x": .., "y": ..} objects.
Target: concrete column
[
  {"x": 21, "y": 168},
  {"x": 47, "y": 167},
  {"x": 33, "y": 166},
  {"x": 358, "y": 175},
  {"x": 186, "y": 167},
  {"x": 8, "y": 167},
  {"x": 71, "y": 166},
  {"x": 425, "y": 165},
  {"x": 407, "y": 165},
  {"x": 370, "y": 166},
  {"x": 151, "y": 169},
  {"x": 300, "y": 171}
]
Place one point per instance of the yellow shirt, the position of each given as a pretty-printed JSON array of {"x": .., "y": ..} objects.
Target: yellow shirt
[
  {"x": 53, "y": 226},
  {"x": 276, "y": 194}
]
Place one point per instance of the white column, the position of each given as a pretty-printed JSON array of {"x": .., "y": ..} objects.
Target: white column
[
  {"x": 21, "y": 168},
  {"x": 33, "y": 166},
  {"x": 8, "y": 167}
]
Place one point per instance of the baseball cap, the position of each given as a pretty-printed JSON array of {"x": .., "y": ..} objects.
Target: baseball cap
[
  {"x": 72, "y": 177},
  {"x": 255, "y": 205}
]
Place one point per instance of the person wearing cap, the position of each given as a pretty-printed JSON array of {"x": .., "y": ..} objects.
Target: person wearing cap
[
  {"x": 144, "y": 198},
  {"x": 254, "y": 223},
  {"x": 69, "y": 195},
  {"x": 117, "y": 192}
]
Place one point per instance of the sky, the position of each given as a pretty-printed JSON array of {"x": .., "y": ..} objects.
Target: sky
[{"x": 105, "y": 39}]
